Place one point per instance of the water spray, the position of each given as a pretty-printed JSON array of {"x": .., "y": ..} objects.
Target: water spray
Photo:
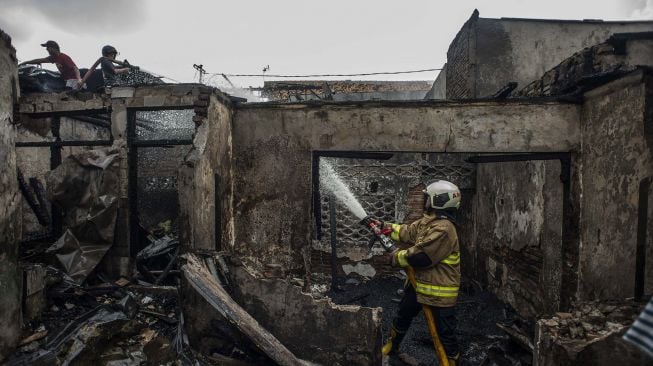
[{"x": 332, "y": 182}]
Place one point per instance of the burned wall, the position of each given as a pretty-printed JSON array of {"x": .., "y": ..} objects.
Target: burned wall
[
  {"x": 127, "y": 119},
  {"x": 10, "y": 231},
  {"x": 34, "y": 162},
  {"x": 517, "y": 234},
  {"x": 461, "y": 62},
  {"x": 601, "y": 62},
  {"x": 206, "y": 179},
  {"x": 273, "y": 147},
  {"x": 522, "y": 50},
  {"x": 439, "y": 87},
  {"x": 615, "y": 158},
  {"x": 488, "y": 53},
  {"x": 313, "y": 329}
]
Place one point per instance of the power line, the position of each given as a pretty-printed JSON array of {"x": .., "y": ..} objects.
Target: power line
[{"x": 328, "y": 75}]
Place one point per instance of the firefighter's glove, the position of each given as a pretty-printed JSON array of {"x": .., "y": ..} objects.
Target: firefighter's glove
[
  {"x": 383, "y": 227},
  {"x": 376, "y": 222},
  {"x": 398, "y": 258},
  {"x": 392, "y": 230}
]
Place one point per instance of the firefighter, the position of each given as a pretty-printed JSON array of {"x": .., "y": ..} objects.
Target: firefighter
[{"x": 435, "y": 258}]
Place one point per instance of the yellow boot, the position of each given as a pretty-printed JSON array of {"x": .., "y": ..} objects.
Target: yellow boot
[
  {"x": 453, "y": 361},
  {"x": 394, "y": 340}
]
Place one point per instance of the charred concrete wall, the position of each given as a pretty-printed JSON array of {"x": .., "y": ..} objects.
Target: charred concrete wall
[
  {"x": 273, "y": 147},
  {"x": 119, "y": 119},
  {"x": 35, "y": 162},
  {"x": 615, "y": 158},
  {"x": 206, "y": 179},
  {"x": 439, "y": 88},
  {"x": 313, "y": 329},
  {"x": 10, "y": 285},
  {"x": 622, "y": 53},
  {"x": 488, "y": 53},
  {"x": 517, "y": 234}
]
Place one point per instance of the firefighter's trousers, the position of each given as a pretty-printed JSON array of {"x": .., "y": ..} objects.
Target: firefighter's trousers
[{"x": 445, "y": 320}]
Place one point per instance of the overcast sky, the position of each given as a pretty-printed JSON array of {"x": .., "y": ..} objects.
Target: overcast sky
[{"x": 292, "y": 36}]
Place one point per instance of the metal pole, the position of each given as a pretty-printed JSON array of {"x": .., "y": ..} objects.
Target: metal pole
[
  {"x": 55, "y": 161},
  {"x": 334, "y": 241}
]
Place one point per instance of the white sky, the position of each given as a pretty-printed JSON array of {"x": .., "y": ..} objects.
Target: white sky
[{"x": 292, "y": 36}]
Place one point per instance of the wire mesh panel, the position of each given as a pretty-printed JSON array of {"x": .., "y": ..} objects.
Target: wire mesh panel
[
  {"x": 348, "y": 227},
  {"x": 165, "y": 125},
  {"x": 382, "y": 188},
  {"x": 168, "y": 133},
  {"x": 157, "y": 183}
]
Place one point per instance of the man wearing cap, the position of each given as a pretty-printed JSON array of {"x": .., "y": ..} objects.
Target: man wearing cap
[{"x": 65, "y": 65}]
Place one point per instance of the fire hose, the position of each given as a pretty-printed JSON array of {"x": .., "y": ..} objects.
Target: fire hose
[{"x": 382, "y": 236}]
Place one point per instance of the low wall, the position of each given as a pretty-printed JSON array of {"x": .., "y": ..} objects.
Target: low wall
[{"x": 314, "y": 330}]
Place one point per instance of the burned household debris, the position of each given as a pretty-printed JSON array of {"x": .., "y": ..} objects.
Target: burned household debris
[{"x": 150, "y": 223}]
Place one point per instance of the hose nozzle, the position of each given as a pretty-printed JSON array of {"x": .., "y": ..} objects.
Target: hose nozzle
[
  {"x": 366, "y": 221},
  {"x": 376, "y": 226}
]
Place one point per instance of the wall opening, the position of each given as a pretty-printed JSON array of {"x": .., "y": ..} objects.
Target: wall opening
[
  {"x": 388, "y": 186},
  {"x": 158, "y": 141}
]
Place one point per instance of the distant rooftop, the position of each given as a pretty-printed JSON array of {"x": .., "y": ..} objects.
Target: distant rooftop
[
  {"x": 323, "y": 89},
  {"x": 351, "y": 86}
]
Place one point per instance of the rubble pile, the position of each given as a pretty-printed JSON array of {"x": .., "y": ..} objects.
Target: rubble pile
[
  {"x": 592, "y": 320},
  {"x": 588, "y": 335},
  {"x": 114, "y": 323}
]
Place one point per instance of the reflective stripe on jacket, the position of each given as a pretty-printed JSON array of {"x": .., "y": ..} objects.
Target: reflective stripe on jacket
[{"x": 437, "y": 284}]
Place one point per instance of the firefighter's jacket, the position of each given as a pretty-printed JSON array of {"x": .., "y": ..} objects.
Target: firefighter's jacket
[{"x": 436, "y": 249}]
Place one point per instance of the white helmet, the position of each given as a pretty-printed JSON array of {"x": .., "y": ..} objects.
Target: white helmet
[{"x": 443, "y": 195}]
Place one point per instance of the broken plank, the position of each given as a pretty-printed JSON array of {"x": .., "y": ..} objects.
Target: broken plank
[
  {"x": 153, "y": 290},
  {"x": 34, "y": 337},
  {"x": 518, "y": 336},
  {"x": 201, "y": 279},
  {"x": 227, "y": 361}
]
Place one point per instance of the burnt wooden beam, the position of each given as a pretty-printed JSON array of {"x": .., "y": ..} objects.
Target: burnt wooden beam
[
  {"x": 207, "y": 286},
  {"x": 64, "y": 143}
]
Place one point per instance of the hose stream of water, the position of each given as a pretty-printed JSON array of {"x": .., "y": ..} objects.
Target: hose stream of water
[{"x": 331, "y": 181}]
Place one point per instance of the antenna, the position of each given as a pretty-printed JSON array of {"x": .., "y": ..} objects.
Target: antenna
[{"x": 201, "y": 70}]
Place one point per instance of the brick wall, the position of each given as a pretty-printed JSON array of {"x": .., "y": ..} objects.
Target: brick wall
[{"x": 461, "y": 62}]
